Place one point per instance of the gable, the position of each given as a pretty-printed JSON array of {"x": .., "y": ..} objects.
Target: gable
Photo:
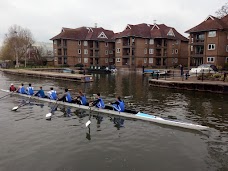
[
  {"x": 155, "y": 27},
  {"x": 128, "y": 27},
  {"x": 171, "y": 33},
  {"x": 102, "y": 35},
  {"x": 209, "y": 18}
]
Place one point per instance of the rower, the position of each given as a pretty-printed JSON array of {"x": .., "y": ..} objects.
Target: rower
[
  {"x": 40, "y": 93},
  {"x": 81, "y": 99},
  {"x": 118, "y": 105},
  {"x": 21, "y": 89},
  {"x": 12, "y": 87},
  {"x": 99, "y": 103},
  {"x": 66, "y": 97},
  {"x": 30, "y": 90},
  {"x": 52, "y": 94}
]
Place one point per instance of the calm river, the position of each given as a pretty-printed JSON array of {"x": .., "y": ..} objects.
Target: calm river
[{"x": 28, "y": 142}]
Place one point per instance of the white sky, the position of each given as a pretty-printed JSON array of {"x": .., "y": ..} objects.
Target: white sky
[{"x": 45, "y": 18}]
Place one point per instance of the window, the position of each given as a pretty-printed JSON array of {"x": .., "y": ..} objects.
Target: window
[
  {"x": 106, "y": 60},
  {"x": 55, "y": 42},
  {"x": 192, "y": 40},
  {"x": 118, "y": 41},
  {"x": 145, "y": 60},
  {"x": 85, "y": 60},
  {"x": 79, "y": 60},
  {"x": 79, "y": 51},
  {"x": 146, "y": 41},
  {"x": 110, "y": 60},
  {"x": 85, "y": 51},
  {"x": 79, "y": 42},
  {"x": 55, "y": 51},
  {"x": 227, "y": 48},
  {"x": 65, "y": 52},
  {"x": 151, "y": 51},
  {"x": 117, "y": 50},
  {"x": 145, "y": 51},
  {"x": 151, "y": 41},
  {"x": 150, "y": 60},
  {"x": 226, "y": 60},
  {"x": 85, "y": 43},
  {"x": 65, "y": 60},
  {"x": 176, "y": 51},
  {"x": 106, "y": 52},
  {"x": 106, "y": 44},
  {"x": 211, "y": 46},
  {"x": 117, "y": 59},
  {"x": 110, "y": 52},
  {"x": 211, "y": 33},
  {"x": 172, "y": 51},
  {"x": 211, "y": 59},
  {"x": 177, "y": 42},
  {"x": 191, "y": 48}
]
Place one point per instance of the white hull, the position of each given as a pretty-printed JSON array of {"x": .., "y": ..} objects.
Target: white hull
[{"x": 139, "y": 115}]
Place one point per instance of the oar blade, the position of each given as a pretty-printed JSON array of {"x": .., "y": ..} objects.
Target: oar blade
[
  {"x": 88, "y": 123},
  {"x": 15, "y": 108},
  {"x": 48, "y": 116}
]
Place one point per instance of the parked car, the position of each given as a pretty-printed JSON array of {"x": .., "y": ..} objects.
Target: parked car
[
  {"x": 68, "y": 70},
  {"x": 204, "y": 68}
]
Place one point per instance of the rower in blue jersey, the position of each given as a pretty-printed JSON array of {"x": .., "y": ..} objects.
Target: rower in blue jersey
[
  {"x": 99, "y": 103},
  {"x": 40, "y": 93},
  {"x": 21, "y": 89},
  {"x": 66, "y": 97},
  {"x": 30, "y": 90},
  {"x": 119, "y": 105},
  {"x": 52, "y": 94},
  {"x": 81, "y": 99}
]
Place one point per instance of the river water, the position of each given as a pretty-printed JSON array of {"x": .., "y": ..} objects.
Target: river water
[{"x": 29, "y": 142}]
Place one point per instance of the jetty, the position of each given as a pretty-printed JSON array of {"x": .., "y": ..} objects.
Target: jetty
[{"x": 50, "y": 75}]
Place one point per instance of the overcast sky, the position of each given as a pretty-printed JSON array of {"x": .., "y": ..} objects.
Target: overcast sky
[{"x": 45, "y": 18}]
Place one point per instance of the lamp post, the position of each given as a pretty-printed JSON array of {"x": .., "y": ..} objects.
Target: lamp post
[{"x": 16, "y": 51}]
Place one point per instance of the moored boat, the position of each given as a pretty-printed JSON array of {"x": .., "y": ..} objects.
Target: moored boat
[{"x": 126, "y": 114}]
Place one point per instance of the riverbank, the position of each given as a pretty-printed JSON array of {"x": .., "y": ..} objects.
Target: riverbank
[
  {"x": 192, "y": 83},
  {"x": 51, "y": 75}
]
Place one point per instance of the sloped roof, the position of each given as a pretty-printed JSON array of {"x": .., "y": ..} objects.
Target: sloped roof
[
  {"x": 211, "y": 23},
  {"x": 84, "y": 33},
  {"x": 150, "y": 31}
]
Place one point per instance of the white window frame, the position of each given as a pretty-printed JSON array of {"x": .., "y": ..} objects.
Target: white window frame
[
  {"x": 117, "y": 59},
  {"x": 79, "y": 51},
  {"x": 176, "y": 51},
  {"x": 106, "y": 52},
  {"x": 85, "y": 60},
  {"x": 151, "y": 60},
  {"x": 151, "y": 41},
  {"x": 79, "y": 60},
  {"x": 211, "y": 59},
  {"x": 151, "y": 51},
  {"x": 85, "y": 43},
  {"x": 146, "y": 41},
  {"x": 118, "y": 41},
  {"x": 79, "y": 42},
  {"x": 106, "y": 60},
  {"x": 145, "y": 60},
  {"x": 117, "y": 50},
  {"x": 85, "y": 51},
  {"x": 212, "y": 34},
  {"x": 106, "y": 44},
  {"x": 145, "y": 51},
  {"x": 211, "y": 47}
]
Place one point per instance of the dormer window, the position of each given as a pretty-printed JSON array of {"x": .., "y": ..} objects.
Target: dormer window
[
  {"x": 171, "y": 33},
  {"x": 102, "y": 36},
  {"x": 212, "y": 34}
]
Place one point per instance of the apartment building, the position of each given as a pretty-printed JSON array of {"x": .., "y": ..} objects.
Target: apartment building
[
  {"x": 208, "y": 43},
  {"x": 150, "y": 45},
  {"x": 84, "y": 45}
]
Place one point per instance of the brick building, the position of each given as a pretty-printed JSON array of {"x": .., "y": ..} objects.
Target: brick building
[
  {"x": 84, "y": 45},
  {"x": 150, "y": 45},
  {"x": 208, "y": 42}
]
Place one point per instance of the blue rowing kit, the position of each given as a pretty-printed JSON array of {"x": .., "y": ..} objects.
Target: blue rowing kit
[
  {"x": 100, "y": 103},
  {"x": 83, "y": 100},
  {"x": 52, "y": 95},
  {"x": 22, "y": 90},
  {"x": 30, "y": 91},
  {"x": 68, "y": 97},
  {"x": 119, "y": 106}
]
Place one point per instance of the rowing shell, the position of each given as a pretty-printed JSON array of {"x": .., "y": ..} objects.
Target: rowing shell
[{"x": 139, "y": 115}]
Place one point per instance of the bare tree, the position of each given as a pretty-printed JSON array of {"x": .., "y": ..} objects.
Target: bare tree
[
  {"x": 223, "y": 11},
  {"x": 16, "y": 43}
]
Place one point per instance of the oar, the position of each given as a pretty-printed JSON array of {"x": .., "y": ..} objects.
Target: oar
[
  {"x": 6, "y": 95},
  {"x": 89, "y": 121},
  {"x": 49, "y": 115},
  {"x": 17, "y": 107}
]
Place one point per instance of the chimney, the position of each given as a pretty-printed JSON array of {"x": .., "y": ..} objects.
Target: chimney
[{"x": 95, "y": 25}]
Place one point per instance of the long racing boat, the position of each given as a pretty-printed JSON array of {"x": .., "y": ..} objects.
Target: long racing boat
[{"x": 126, "y": 114}]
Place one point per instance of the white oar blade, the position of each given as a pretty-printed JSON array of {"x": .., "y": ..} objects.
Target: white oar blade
[
  {"x": 88, "y": 123},
  {"x": 15, "y": 108},
  {"x": 48, "y": 116}
]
